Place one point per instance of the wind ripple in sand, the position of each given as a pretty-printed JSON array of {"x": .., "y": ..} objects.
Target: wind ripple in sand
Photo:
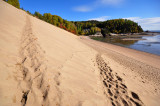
[{"x": 114, "y": 87}]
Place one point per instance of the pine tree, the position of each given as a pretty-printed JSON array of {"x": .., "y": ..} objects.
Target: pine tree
[{"x": 15, "y": 3}]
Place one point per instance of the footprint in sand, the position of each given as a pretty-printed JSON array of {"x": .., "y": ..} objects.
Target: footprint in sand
[{"x": 115, "y": 89}]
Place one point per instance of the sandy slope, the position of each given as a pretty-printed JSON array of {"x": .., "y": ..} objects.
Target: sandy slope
[{"x": 41, "y": 64}]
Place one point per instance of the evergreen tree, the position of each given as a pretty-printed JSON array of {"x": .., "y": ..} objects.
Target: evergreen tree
[
  {"x": 38, "y": 15},
  {"x": 15, "y": 3}
]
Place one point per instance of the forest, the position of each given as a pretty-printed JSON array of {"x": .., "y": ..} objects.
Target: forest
[
  {"x": 117, "y": 26},
  {"x": 57, "y": 21},
  {"x": 15, "y": 3},
  {"x": 110, "y": 26}
]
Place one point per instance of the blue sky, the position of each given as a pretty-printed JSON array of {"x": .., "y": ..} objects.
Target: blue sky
[{"x": 145, "y": 12}]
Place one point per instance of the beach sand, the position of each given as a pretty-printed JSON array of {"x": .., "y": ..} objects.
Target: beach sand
[
  {"x": 43, "y": 65},
  {"x": 139, "y": 70}
]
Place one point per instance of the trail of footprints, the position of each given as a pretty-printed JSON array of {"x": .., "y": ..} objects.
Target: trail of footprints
[
  {"x": 31, "y": 69},
  {"x": 114, "y": 87}
]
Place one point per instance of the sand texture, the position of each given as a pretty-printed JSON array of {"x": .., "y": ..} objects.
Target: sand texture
[{"x": 43, "y": 65}]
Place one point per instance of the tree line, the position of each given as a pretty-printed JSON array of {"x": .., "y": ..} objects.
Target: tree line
[
  {"x": 57, "y": 21},
  {"x": 120, "y": 26},
  {"x": 86, "y": 27},
  {"x": 110, "y": 26},
  {"x": 15, "y": 3}
]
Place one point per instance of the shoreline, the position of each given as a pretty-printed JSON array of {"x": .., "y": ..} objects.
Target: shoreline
[
  {"x": 126, "y": 41},
  {"x": 135, "y": 67},
  {"x": 133, "y": 39},
  {"x": 120, "y": 49},
  {"x": 139, "y": 36}
]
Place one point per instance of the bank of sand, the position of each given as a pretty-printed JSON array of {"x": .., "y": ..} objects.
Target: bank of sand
[{"x": 41, "y": 64}]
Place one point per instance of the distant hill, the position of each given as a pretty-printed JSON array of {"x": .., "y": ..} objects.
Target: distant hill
[{"x": 155, "y": 31}]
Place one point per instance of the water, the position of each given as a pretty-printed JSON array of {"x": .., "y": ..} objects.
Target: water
[
  {"x": 151, "y": 44},
  {"x": 155, "y": 31}
]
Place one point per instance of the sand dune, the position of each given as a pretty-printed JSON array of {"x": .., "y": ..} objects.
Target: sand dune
[{"x": 43, "y": 65}]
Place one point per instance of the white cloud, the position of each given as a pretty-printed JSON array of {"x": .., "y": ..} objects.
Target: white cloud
[
  {"x": 97, "y": 4},
  {"x": 111, "y": 2},
  {"x": 147, "y": 23},
  {"x": 82, "y": 9},
  {"x": 103, "y": 18}
]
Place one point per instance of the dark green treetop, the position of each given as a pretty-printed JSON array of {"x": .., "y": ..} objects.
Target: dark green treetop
[{"x": 15, "y": 3}]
